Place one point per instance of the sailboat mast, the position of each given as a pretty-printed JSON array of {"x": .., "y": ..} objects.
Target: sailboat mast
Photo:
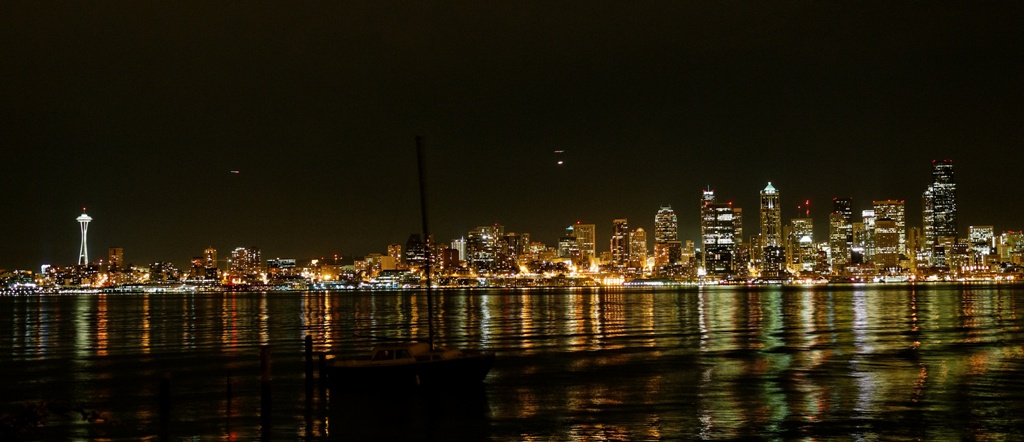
[{"x": 426, "y": 239}]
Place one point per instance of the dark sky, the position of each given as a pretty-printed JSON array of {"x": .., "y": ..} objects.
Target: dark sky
[{"x": 139, "y": 112}]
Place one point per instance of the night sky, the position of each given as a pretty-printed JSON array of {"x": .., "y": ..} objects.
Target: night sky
[{"x": 140, "y": 112}]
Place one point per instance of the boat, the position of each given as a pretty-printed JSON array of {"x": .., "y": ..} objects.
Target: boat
[
  {"x": 402, "y": 365},
  {"x": 397, "y": 365}
]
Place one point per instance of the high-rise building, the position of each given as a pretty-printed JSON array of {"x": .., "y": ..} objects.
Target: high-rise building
[
  {"x": 585, "y": 241},
  {"x": 667, "y": 248},
  {"x": 841, "y": 232},
  {"x": 666, "y": 225},
  {"x": 115, "y": 259},
  {"x": 800, "y": 249},
  {"x": 771, "y": 217},
  {"x": 415, "y": 251},
  {"x": 638, "y": 248},
  {"x": 839, "y": 248},
  {"x": 982, "y": 240},
  {"x": 894, "y": 210},
  {"x": 718, "y": 236},
  {"x": 772, "y": 256},
  {"x": 568, "y": 247},
  {"x": 245, "y": 264},
  {"x": 887, "y": 242},
  {"x": 939, "y": 211},
  {"x": 459, "y": 245},
  {"x": 210, "y": 258},
  {"x": 619, "y": 246},
  {"x": 395, "y": 252},
  {"x": 866, "y": 240}
]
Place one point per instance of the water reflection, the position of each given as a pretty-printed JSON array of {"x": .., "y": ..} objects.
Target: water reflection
[{"x": 926, "y": 362}]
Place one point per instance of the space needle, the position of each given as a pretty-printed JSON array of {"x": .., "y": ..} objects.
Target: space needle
[{"x": 83, "y": 253}]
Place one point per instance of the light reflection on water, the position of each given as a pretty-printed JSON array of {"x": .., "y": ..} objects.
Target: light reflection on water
[{"x": 934, "y": 362}]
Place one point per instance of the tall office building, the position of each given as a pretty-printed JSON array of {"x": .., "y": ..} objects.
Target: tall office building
[
  {"x": 115, "y": 259},
  {"x": 800, "y": 244},
  {"x": 210, "y": 258},
  {"x": 619, "y": 246},
  {"x": 771, "y": 217},
  {"x": 568, "y": 247},
  {"x": 666, "y": 225},
  {"x": 585, "y": 241},
  {"x": 638, "y": 248},
  {"x": 667, "y": 248},
  {"x": 718, "y": 235},
  {"x": 866, "y": 239},
  {"x": 415, "y": 251},
  {"x": 840, "y": 234},
  {"x": 982, "y": 239},
  {"x": 459, "y": 245},
  {"x": 246, "y": 263},
  {"x": 939, "y": 212},
  {"x": 894, "y": 210},
  {"x": 772, "y": 255},
  {"x": 887, "y": 243}
]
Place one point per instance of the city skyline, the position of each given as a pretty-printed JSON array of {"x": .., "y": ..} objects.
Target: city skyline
[
  {"x": 770, "y": 201},
  {"x": 292, "y": 127}
]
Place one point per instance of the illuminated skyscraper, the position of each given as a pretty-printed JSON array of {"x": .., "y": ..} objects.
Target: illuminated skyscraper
[
  {"x": 771, "y": 217},
  {"x": 894, "y": 210},
  {"x": 667, "y": 248},
  {"x": 210, "y": 258},
  {"x": 115, "y": 259},
  {"x": 982, "y": 240},
  {"x": 800, "y": 244},
  {"x": 666, "y": 225},
  {"x": 459, "y": 245},
  {"x": 415, "y": 251},
  {"x": 619, "y": 246},
  {"x": 718, "y": 235},
  {"x": 245, "y": 264},
  {"x": 568, "y": 247},
  {"x": 83, "y": 251},
  {"x": 887, "y": 242},
  {"x": 939, "y": 211},
  {"x": 638, "y": 248},
  {"x": 840, "y": 237},
  {"x": 772, "y": 253},
  {"x": 585, "y": 241},
  {"x": 866, "y": 239}
]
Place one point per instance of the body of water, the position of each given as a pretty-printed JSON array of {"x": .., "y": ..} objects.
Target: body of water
[{"x": 870, "y": 362}]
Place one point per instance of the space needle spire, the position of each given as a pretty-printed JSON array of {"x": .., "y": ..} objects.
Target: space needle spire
[{"x": 83, "y": 252}]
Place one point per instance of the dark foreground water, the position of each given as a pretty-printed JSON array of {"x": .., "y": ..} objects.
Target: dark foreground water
[{"x": 925, "y": 362}]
